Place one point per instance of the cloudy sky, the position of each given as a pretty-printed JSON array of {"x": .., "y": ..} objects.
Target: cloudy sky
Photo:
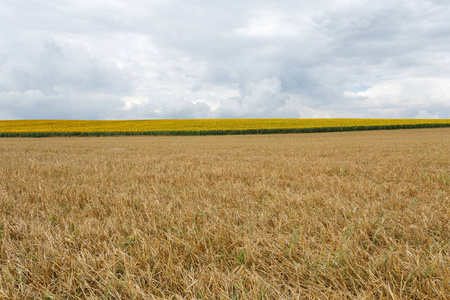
[{"x": 147, "y": 59}]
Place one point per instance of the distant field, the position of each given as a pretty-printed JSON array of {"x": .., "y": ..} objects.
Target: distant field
[
  {"x": 351, "y": 215},
  {"x": 42, "y": 128}
]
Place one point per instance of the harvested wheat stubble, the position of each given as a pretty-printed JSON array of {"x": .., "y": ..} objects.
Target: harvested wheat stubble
[{"x": 360, "y": 215}]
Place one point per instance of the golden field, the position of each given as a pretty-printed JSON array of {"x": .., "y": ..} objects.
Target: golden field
[
  {"x": 193, "y": 126},
  {"x": 350, "y": 215}
]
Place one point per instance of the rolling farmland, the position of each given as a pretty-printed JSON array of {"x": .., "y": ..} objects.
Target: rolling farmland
[
  {"x": 356, "y": 215},
  {"x": 44, "y": 128}
]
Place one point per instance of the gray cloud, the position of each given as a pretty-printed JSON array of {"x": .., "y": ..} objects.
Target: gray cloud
[
  {"x": 44, "y": 79},
  {"x": 200, "y": 59}
]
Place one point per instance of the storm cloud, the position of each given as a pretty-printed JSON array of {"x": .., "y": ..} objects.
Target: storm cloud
[{"x": 224, "y": 59}]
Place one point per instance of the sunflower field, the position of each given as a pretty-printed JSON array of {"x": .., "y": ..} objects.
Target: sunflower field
[{"x": 45, "y": 128}]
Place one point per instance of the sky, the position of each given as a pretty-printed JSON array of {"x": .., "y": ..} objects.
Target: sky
[{"x": 160, "y": 59}]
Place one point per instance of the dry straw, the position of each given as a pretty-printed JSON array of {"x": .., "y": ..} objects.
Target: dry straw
[{"x": 354, "y": 215}]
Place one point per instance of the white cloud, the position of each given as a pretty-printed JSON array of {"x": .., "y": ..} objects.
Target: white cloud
[{"x": 411, "y": 97}]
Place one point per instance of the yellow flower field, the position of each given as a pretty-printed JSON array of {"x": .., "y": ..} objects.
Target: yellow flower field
[{"x": 204, "y": 126}]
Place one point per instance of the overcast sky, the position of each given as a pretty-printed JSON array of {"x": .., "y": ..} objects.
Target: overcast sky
[{"x": 147, "y": 59}]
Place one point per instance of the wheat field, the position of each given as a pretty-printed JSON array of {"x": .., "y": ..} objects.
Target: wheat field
[{"x": 349, "y": 215}]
